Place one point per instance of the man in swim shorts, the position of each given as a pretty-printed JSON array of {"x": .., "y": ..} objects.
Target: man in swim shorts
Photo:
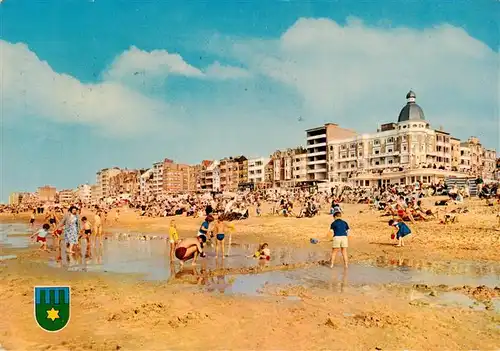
[{"x": 190, "y": 248}]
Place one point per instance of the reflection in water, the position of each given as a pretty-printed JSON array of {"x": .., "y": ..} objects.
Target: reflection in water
[
  {"x": 11, "y": 235},
  {"x": 150, "y": 257},
  {"x": 450, "y": 267}
]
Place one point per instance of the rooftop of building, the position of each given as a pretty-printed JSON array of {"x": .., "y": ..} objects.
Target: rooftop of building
[{"x": 411, "y": 111}]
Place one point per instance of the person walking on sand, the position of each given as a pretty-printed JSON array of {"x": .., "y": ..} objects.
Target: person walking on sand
[
  {"x": 190, "y": 248},
  {"x": 339, "y": 228},
  {"x": 71, "y": 224}
]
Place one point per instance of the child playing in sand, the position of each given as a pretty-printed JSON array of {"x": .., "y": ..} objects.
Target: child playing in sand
[
  {"x": 401, "y": 229},
  {"x": 263, "y": 253},
  {"x": 173, "y": 238},
  {"x": 258, "y": 210},
  {"x": 339, "y": 228},
  {"x": 41, "y": 236}
]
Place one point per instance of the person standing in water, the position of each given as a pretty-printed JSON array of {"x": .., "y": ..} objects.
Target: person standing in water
[
  {"x": 32, "y": 219},
  {"x": 173, "y": 237},
  {"x": 52, "y": 218},
  {"x": 71, "y": 224},
  {"x": 204, "y": 228},
  {"x": 86, "y": 233},
  {"x": 219, "y": 229},
  {"x": 97, "y": 228},
  {"x": 339, "y": 229}
]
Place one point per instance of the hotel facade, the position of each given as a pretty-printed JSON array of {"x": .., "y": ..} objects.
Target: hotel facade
[{"x": 404, "y": 152}]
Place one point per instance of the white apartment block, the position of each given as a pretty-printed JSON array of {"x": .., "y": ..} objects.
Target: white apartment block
[
  {"x": 210, "y": 176},
  {"x": 66, "y": 196},
  {"x": 84, "y": 193},
  {"x": 257, "y": 169},
  {"x": 145, "y": 184},
  {"x": 95, "y": 194},
  {"x": 157, "y": 181},
  {"x": 103, "y": 177},
  {"x": 403, "y": 152},
  {"x": 299, "y": 167},
  {"x": 318, "y": 154}
]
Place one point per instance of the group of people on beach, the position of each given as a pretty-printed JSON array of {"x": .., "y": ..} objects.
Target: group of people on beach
[
  {"x": 72, "y": 228},
  {"x": 403, "y": 203}
]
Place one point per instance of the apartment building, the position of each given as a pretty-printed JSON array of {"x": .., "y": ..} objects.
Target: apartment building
[
  {"x": 126, "y": 182},
  {"x": 47, "y": 193},
  {"x": 299, "y": 166},
  {"x": 193, "y": 178},
  {"x": 146, "y": 184},
  {"x": 66, "y": 196},
  {"x": 317, "y": 141},
  {"x": 289, "y": 167},
  {"x": 209, "y": 176},
  {"x": 233, "y": 172},
  {"x": 478, "y": 161},
  {"x": 15, "y": 199},
  {"x": 175, "y": 177},
  {"x": 22, "y": 198},
  {"x": 95, "y": 193},
  {"x": 84, "y": 193},
  {"x": 103, "y": 179},
  {"x": 455, "y": 154},
  {"x": 157, "y": 181},
  {"x": 257, "y": 169},
  {"x": 401, "y": 152}
]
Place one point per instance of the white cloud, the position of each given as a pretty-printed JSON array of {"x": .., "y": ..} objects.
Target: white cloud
[
  {"x": 220, "y": 71},
  {"x": 31, "y": 88},
  {"x": 354, "y": 75},
  {"x": 138, "y": 67},
  {"x": 134, "y": 62},
  {"x": 358, "y": 75}
]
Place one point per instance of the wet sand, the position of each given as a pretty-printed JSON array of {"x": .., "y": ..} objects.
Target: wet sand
[{"x": 438, "y": 292}]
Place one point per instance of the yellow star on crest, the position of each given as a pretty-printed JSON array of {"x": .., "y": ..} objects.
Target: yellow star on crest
[{"x": 52, "y": 314}]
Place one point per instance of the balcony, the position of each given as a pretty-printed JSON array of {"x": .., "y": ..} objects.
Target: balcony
[
  {"x": 314, "y": 137},
  {"x": 384, "y": 154},
  {"x": 316, "y": 153},
  {"x": 311, "y": 146},
  {"x": 317, "y": 170},
  {"x": 316, "y": 162}
]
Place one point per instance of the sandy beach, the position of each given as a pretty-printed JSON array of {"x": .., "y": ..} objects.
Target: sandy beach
[{"x": 112, "y": 311}]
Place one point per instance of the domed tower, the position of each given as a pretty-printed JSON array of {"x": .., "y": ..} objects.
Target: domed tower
[{"x": 411, "y": 112}]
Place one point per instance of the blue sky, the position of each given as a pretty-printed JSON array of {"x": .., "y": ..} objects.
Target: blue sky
[{"x": 91, "y": 84}]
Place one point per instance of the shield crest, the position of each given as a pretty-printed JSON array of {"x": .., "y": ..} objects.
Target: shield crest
[{"x": 52, "y": 307}]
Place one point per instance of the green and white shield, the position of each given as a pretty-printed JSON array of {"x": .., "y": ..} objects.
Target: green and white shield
[{"x": 52, "y": 307}]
